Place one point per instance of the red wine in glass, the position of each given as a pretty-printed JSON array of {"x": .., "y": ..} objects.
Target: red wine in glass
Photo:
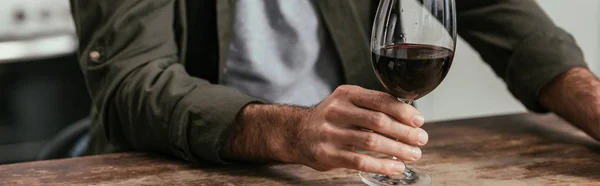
[
  {"x": 412, "y": 45},
  {"x": 411, "y": 71}
]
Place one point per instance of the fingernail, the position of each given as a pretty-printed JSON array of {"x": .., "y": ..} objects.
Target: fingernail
[
  {"x": 416, "y": 153},
  {"x": 423, "y": 137},
  {"x": 398, "y": 168},
  {"x": 418, "y": 120}
]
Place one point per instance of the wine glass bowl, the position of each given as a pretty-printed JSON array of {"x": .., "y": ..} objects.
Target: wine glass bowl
[
  {"x": 412, "y": 47},
  {"x": 411, "y": 71}
]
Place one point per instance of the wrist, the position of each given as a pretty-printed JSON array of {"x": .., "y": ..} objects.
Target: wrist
[
  {"x": 575, "y": 96},
  {"x": 264, "y": 134}
]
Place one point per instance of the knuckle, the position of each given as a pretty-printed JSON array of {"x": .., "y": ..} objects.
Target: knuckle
[
  {"x": 314, "y": 154},
  {"x": 346, "y": 90},
  {"x": 378, "y": 121},
  {"x": 319, "y": 152},
  {"x": 326, "y": 133},
  {"x": 333, "y": 105},
  {"x": 342, "y": 89},
  {"x": 359, "y": 163},
  {"x": 370, "y": 141},
  {"x": 333, "y": 109},
  {"x": 317, "y": 163},
  {"x": 327, "y": 130}
]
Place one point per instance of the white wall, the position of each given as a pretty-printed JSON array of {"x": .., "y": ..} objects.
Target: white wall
[
  {"x": 472, "y": 89},
  {"x": 32, "y": 29},
  {"x": 56, "y": 19}
]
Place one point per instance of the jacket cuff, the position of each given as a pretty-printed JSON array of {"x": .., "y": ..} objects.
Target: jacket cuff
[
  {"x": 210, "y": 114},
  {"x": 538, "y": 60}
]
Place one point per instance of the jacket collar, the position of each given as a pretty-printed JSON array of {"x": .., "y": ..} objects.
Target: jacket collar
[{"x": 351, "y": 40}]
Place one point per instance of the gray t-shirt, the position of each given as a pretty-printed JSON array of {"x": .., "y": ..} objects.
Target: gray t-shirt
[{"x": 281, "y": 53}]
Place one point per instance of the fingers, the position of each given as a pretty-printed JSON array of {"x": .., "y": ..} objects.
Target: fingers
[
  {"x": 365, "y": 163},
  {"x": 352, "y": 107},
  {"x": 381, "y": 123},
  {"x": 378, "y": 143},
  {"x": 385, "y": 103}
]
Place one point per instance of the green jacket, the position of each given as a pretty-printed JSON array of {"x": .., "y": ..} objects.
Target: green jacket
[{"x": 152, "y": 66}]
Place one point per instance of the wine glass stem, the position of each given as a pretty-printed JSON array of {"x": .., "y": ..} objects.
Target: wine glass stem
[{"x": 410, "y": 174}]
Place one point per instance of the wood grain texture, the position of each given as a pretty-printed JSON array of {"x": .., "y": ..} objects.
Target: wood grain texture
[{"x": 522, "y": 149}]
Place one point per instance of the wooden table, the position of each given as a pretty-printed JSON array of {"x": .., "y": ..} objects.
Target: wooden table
[{"x": 522, "y": 149}]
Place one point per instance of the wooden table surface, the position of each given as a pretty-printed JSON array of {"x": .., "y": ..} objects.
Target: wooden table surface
[{"x": 521, "y": 149}]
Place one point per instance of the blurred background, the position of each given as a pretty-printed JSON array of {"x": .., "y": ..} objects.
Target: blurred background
[
  {"x": 42, "y": 90},
  {"x": 471, "y": 89}
]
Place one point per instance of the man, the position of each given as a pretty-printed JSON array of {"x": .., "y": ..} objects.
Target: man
[{"x": 212, "y": 81}]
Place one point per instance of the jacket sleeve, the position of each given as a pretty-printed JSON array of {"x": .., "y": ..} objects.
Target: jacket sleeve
[
  {"x": 142, "y": 93},
  {"x": 520, "y": 42}
]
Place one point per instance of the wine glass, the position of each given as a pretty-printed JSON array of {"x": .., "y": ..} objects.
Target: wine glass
[{"x": 412, "y": 45}]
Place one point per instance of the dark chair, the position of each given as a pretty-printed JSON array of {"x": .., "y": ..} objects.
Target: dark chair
[{"x": 61, "y": 146}]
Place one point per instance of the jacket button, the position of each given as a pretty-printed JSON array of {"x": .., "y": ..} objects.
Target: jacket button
[{"x": 95, "y": 56}]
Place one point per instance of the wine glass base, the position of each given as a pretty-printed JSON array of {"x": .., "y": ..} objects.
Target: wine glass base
[{"x": 373, "y": 179}]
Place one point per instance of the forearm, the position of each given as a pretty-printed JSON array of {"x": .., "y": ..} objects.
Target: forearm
[
  {"x": 520, "y": 42},
  {"x": 575, "y": 96},
  {"x": 324, "y": 137},
  {"x": 263, "y": 133}
]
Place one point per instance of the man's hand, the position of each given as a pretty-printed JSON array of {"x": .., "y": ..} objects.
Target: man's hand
[
  {"x": 324, "y": 137},
  {"x": 575, "y": 96}
]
